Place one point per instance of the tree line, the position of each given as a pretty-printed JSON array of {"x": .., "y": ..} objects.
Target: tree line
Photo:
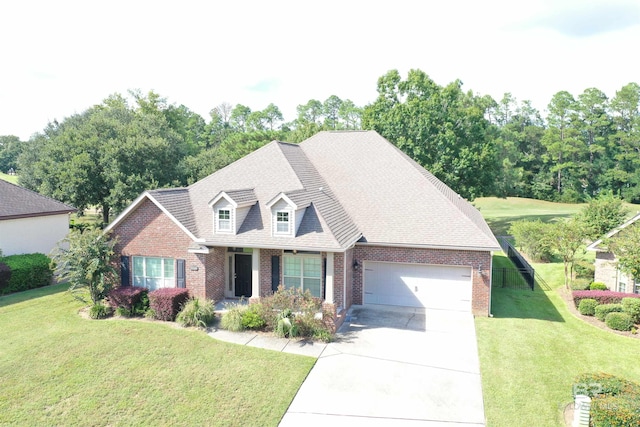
[{"x": 108, "y": 154}]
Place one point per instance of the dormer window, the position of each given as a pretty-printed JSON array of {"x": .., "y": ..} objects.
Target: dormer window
[
  {"x": 224, "y": 220},
  {"x": 282, "y": 222}
]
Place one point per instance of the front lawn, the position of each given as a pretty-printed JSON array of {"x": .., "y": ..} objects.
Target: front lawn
[
  {"x": 532, "y": 350},
  {"x": 57, "y": 368}
]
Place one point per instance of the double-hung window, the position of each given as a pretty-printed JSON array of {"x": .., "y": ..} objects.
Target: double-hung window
[
  {"x": 224, "y": 220},
  {"x": 154, "y": 273},
  {"x": 282, "y": 222},
  {"x": 304, "y": 272}
]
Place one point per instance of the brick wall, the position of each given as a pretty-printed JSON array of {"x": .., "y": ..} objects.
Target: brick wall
[
  {"x": 147, "y": 231},
  {"x": 481, "y": 282},
  {"x": 265, "y": 269}
]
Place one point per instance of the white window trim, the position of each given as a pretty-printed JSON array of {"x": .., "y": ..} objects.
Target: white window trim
[
  {"x": 162, "y": 269},
  {"x": 300, "y": 259},
  {"x": 288, "y": 222},
  {"x": 220, "y": 229}
]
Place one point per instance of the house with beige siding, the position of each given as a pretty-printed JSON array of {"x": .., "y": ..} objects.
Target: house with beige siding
[
  {"x": 30, "y": 222},
  {"x": 606, "y": 263},
  {"x": 345, "y": 215}
]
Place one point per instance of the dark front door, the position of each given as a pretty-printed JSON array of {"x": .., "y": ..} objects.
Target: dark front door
[{"x": 243, "y": 275}]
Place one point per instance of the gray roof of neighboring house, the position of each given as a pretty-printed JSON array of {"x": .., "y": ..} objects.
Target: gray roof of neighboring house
[
  {"x": 357, "y": 186},
  {"x": 18, "y": 202}
]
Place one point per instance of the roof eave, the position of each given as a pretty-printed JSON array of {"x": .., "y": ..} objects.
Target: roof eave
[
  {"x": 428, "y": 246},
  {"x": 38, "y": 214}
]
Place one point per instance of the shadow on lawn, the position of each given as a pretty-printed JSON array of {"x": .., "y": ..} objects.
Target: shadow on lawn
[
  {"x": 500, "y": 226},
  {"x": 523, "y": 304},
  {"x": 9, "y": 299}
]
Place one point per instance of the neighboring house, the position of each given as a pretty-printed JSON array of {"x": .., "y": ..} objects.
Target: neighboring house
[
  {"x": 30, "y": 222},
  {"x": 345, "y": 215},
  {"x": 606, "y": 264}
]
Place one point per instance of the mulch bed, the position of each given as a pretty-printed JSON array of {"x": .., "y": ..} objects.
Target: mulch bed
[{"x": 568, "y": 298}]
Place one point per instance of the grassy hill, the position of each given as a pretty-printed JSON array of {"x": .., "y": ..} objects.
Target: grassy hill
[{"x": 10, "y": 178}]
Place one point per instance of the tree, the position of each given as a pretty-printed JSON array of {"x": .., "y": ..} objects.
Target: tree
[
  {"x": 442, "y": 128},
  {"x": 273, "y": 116},
  {"x": 565, "y": 238},
  {"x": 330, "y": 108},
  {"x": 532, "y": 238},
  {"x": 105, "y": 156},
  {"x": 10, "y": 149},
  {"x": 239, "y": 116},
  {"x": 626, "y": 246},
  {"x": 83, "y": 259},
  {"x": 602, "y": 215}
]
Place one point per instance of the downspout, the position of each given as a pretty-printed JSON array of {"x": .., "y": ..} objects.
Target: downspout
[
  {"x": 344, "y": 281},
  {"x": 490, "y": 281}
]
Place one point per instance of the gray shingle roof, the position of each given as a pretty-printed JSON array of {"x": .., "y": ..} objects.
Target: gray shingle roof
[
  {"x": 18, "y": 202},
  {"x": 356, "y": 184},
  {"x": 391, "y": 198}
]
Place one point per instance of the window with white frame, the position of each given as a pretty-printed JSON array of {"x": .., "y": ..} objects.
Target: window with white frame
[
  {"x": 304, "y": 272},
  {"x": 622, "y": 287},
  {"x": 154, "y": 273},
  {"x": 224, "y": 220},
  {"x": 282, "y": 222}
]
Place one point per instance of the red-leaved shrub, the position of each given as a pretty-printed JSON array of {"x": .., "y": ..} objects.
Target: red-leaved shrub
[
  {"x": 126, "y": 296},
  {"x": 166, "y": 302},
  {"x": 603, "y": 297}
]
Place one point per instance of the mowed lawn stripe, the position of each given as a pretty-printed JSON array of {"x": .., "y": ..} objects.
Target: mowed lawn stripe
[{"x": 57, "y": 368}]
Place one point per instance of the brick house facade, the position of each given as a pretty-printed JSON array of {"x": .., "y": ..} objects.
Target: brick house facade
[{"x": 238, "y": 232}]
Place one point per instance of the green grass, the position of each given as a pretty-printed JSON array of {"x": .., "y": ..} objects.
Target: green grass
[
  {"x": 60, "y": 369},
  {"x": 10, "y": 178},
  {"x": 500, "y": 213},
  {"x": 533, "y": 348}
]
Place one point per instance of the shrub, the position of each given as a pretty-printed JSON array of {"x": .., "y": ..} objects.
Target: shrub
[
  {"x": 5, "y": 275},
  {"x": 27, "y": 272},
  {"x": 532, "y": 238},
  {"x": 580, "y": 285},
  {"x": 285, "y": 326},
  {"x": 601, "y": 383},
  {"x": 587, "y": 307},
  {"x": 618, "y": 321},
  {"x": 167, "y": 302},
  {"x": 197, "y": 312},
  {"x": 603, "y": 309},
  {"x": 127, "y": 298},
  {"x": 603, "y": 297},
  {"x": 123, "y": 312},
  {"x": 598, "y": 286},
  {"x": 616, "y": 411},
  {"x": 584, "y": 270},
  {"x": 150, "y": 314},
  {"x": 232, "y": 317},
  {"x": 99, "y": 311},
  {"x": 631, "y": 306},
  {"x": 253, "y": 317}
]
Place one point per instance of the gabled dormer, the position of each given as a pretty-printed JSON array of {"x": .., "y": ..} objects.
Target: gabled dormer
[
  {"x": 287, "y": 211},
  {"x": 230, "y": 208}
]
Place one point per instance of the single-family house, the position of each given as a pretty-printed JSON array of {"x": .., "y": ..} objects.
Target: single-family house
[
  {"x": 606, "y": 263},
  {"x": 345, "y": 215},
  {"x": 30, "y": 222}
]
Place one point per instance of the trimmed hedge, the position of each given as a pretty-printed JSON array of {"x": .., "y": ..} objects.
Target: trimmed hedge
[
  {"x": 603, "y": 309},
  {"x": 28, "y": 271},
  {"x": 601, "y": 384},
  {"x": 631, "y": 306},
  {"x": 603, "y": 297},
  {"x": 5, "y": 275},
  {"x": 598, "y": 286},
  {"x": 618, "y": 321},
  {"x": 587, "y": 306},
  {"x": 167, "y": 302},
  {"x": 126, "y": 297}
]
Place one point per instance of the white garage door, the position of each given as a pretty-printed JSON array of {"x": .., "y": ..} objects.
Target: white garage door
[{"x": 418, "y": 285}]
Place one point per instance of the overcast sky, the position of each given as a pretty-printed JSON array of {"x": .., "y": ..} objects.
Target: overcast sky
[{"x": 58, "y": 58}]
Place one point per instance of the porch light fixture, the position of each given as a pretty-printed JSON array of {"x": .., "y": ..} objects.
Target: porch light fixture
[
  {"x": 480, "y": 269},
  {"x": 355, "y": 264}
]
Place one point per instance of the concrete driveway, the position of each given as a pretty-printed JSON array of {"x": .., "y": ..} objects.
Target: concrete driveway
[{"x": 395, "y": 366}]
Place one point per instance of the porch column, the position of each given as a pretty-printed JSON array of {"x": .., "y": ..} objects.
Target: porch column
[
  {"x": 329, "y": 280},
  {"x": 255, "y": 273}
]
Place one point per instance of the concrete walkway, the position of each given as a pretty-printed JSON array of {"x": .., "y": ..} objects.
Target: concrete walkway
[{"x": 265, "y": 341}]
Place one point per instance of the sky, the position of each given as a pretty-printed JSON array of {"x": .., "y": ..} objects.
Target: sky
[{"x": 58, "y": 58}]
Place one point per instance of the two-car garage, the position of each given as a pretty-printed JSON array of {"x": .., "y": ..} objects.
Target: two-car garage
[{"x": 418, "y": 285}]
